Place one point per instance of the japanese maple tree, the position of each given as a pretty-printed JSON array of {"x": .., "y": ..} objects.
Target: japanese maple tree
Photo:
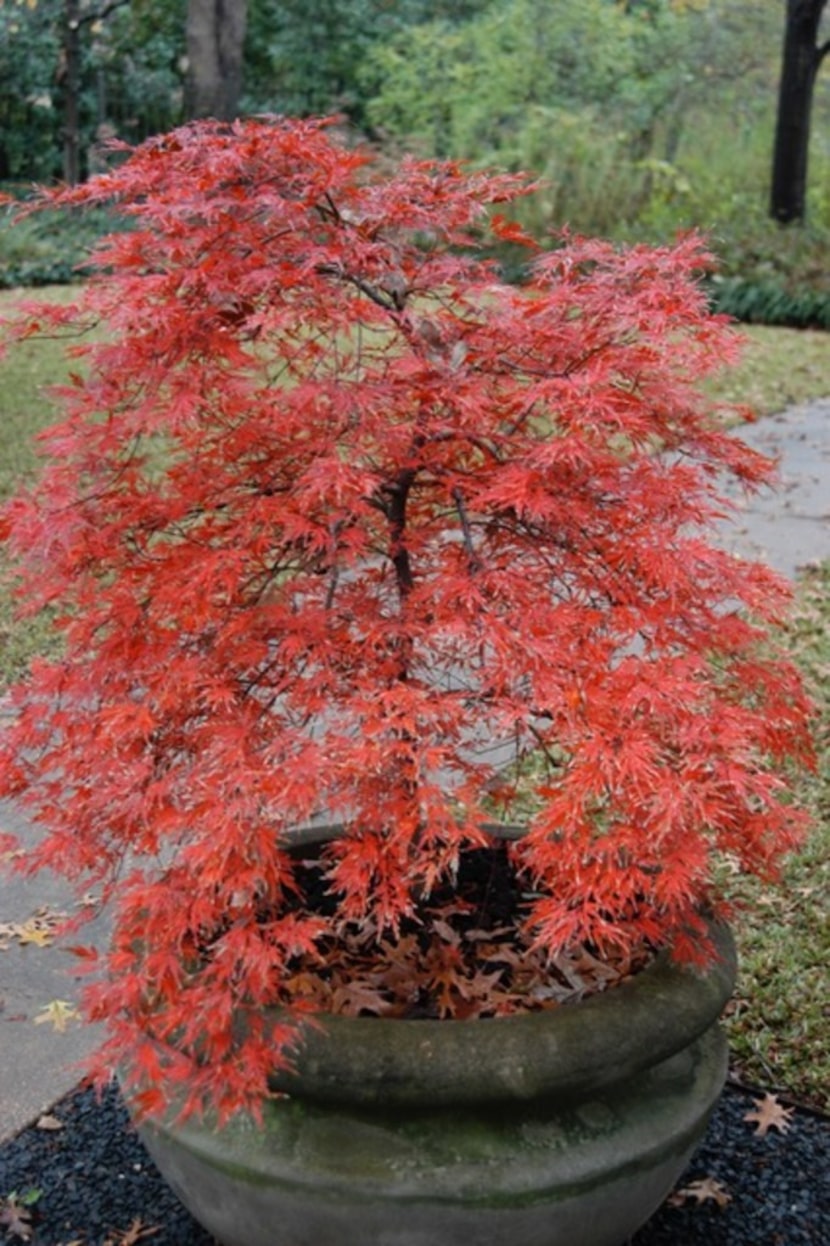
[{"x": 337, "y": 525}]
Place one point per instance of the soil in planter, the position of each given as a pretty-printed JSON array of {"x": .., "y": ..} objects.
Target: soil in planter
[{"x": 464, "y": 950}]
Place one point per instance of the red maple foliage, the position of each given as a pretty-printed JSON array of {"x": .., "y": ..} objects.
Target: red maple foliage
[{"x": 331, "y": 511}]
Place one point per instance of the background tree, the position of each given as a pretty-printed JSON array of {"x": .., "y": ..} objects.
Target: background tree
[
  {"x": 640, "y": 118},
  {"x": 215, "y": 35},
  {"x": 306, "y": 56},
  {"x": 596, "y": 98},
  {"x": 76, "y": 16},
  {"x": 29, "y": 52},
  {"x": 70, "y": 69},
  {"x": 801, "y": 59}
]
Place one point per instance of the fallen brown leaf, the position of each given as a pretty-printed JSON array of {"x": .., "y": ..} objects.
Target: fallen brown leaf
[
  {"x": 703, "y": 1190},
  {"x": 16, "y": 1219},
  {"x": 137, "y": 1232},
  {"x": 769, "y": 1114},
  {"x": 49, "y": 1122}
]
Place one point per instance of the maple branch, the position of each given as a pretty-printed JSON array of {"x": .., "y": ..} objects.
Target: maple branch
[
  {"x": 470, "y": 439},
  {"x": 391, "y": 302},
  {"x": 398, "y": 492},
  {"x": 473, "y": 560},
  {"x": 331, "y": 210},
  {"x": 542, "y": 743}
]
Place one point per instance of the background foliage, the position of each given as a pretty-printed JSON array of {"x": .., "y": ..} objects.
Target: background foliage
[{"x": 640, "y": 117}]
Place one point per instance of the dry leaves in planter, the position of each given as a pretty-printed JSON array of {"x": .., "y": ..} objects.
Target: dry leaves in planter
[{"x": 460, "y": 957}]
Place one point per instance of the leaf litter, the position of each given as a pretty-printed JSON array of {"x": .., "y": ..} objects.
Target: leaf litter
[
  {"x": 39, "y": 930},
  {"x": 462, "y": 955}
]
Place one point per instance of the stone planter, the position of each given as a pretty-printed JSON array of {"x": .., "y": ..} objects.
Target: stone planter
[{"x": 559, "y": 1128}]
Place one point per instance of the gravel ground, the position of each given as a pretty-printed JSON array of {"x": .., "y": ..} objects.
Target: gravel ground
[{"x": 97, "y": 1187}]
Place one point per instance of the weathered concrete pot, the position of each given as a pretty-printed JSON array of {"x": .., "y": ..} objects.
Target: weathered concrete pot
[{"x": 559, "y": 1128}]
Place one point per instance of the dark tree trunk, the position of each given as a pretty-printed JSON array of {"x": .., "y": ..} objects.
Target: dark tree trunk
[
  {"x": 215, "y": 40},
  {"x": 69, "y": 76},
  {"x": 801, "y": 59},
  {"x": 72, "y": 77}
]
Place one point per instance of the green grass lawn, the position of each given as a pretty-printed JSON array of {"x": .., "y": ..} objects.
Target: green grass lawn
[
  {"x": 780, "y": 367},
  {"x": 26, "y": 373},
  {"x": 779, "y": 1020},
  {"x": 779, "y": 1023}
]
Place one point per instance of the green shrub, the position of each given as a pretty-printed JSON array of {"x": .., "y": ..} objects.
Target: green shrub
[
  {"x": 773, "y": 275},
  {"x": 769, "y": 302},
  {"x": 48, "y": 249}
]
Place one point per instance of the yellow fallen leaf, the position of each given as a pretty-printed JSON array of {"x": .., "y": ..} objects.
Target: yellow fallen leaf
[
  {"x": 34, "y": 932},
  {"x": 58, "y": 1013}
]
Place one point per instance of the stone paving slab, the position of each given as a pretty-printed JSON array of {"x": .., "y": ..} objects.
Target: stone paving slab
[
  {"x": 788, "y": 527},
  {"x": 38, "y": 1063}
]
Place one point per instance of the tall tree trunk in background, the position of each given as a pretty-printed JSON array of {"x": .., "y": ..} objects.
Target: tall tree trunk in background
[
  {"x": 71, "y": 79},
  {"x": 215, "y": 40},
  {"x": 801, "y": 59},
  {"x": 69, "y": 76}
]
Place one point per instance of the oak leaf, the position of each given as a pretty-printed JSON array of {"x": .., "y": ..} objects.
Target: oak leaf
[
  {"x": 58, "y": 1014},
  {"x": 769, "y": 1114},
  {"x": 136, "y": 1232},
  {"x": 704, "y": 1190},
  {"x": 35, "y": 933},
  {"x": 16, "y": 1218},
  {"x": 354, "y": 998}
]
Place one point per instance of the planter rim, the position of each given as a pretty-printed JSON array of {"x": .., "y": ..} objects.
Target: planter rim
[{"x": 562, "y": 1052}]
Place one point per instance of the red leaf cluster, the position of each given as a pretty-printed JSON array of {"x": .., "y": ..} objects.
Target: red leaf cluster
[{"x": 339, "y": 524}]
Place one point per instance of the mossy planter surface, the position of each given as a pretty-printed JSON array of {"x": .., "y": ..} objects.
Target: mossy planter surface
[{"x": 559, "y": 1128}]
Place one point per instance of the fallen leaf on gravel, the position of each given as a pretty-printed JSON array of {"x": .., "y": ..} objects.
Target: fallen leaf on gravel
[
  {"x": 769, "y": 1114},
  {"x": 137, "y": 1232},
  {"x": 702, "y": 1191},
  {"x": 49, "y": 1122},
  {"x": 16, "y": 1218},
  {"x": 58, "y": 1013}
]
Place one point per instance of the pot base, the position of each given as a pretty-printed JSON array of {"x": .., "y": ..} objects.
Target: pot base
[{"x": 544, "y": 1173}]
